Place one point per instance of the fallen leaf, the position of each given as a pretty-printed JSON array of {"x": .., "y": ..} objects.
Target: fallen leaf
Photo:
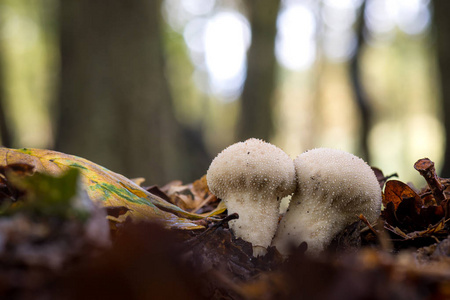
[
  {"x": 395, "y": 191},
  {"x": 194, "y": 197},
  {"x": 116, "y": 211},
  {"x": 380, "y": 176},
  {"x": 104, "y": 186},
  {"x": 433, "y": 231},
  {"x": 410, "y": 212},
  {"x": 139, "y": 181}
]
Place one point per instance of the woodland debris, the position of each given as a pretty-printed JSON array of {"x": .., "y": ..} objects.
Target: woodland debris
[
  {"x": 426, "y": 168},
  {"x": 55, "y": 244}
]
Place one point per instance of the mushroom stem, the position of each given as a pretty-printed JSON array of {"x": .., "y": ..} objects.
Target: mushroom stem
[
  {"x": 296, "y": 226},
  {"x": 258, "y": 223}
]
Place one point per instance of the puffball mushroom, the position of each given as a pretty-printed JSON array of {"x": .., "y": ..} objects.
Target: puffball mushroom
[
  {"x": 251, "y": 177},
  {"x": 333, "y": 188}
]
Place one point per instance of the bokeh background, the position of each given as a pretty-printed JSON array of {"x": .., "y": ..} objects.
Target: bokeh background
[{"x": 156, "y": 88}]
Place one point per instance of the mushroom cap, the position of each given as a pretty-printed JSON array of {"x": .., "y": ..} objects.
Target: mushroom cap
[
  {"x": 333, "y": 188},
  {"x": 251, "y": 165},
  {"x": 342, "y": 180}
]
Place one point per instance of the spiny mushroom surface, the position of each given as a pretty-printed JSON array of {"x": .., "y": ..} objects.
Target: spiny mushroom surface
[
  {"x": 333, "y": 188},
  {"x": 251, "y": 177}
]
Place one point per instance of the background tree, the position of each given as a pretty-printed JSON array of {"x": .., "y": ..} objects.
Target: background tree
[
  {"x": 114, "y": 102},
  {"x": 442, "y": 30},
  {"x": 108, "y": 47},
  {"x": 256, "y": 116},
  {"x": 5, "y": 133},
  {"x": 360, "y": 95},
  {"x": 5, "y": 128}
]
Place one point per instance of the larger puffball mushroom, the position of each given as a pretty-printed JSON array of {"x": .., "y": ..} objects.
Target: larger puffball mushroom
[
  {"x": 333, "y": 188},
  {"x": 251, "y": 177}
]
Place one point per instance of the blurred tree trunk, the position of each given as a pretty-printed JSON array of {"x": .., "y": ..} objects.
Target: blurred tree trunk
[
  {"x": 5, "y": 129},
  {"x": 4, "y": 126},
  {"x": 360, "y": 94},
  {"x": 256, "y": 117},
  {"x": 114, "y": 107},
  {"x": 442, "y": 30}
]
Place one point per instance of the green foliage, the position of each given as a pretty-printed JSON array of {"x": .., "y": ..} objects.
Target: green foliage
[{"x": 47, "y": 196}]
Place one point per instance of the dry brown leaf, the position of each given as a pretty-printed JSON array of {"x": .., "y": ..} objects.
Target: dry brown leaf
[{"x": 396, "y": 191}]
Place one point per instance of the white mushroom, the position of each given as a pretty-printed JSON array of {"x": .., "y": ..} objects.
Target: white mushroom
[
  {"x": 251, "y": 177},
  {"x": 333, "y": 188}
]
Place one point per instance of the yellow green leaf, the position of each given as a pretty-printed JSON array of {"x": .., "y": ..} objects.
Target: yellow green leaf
[
  {"x": 219, "y": 209},
  {"x": 104, "y": 186}
]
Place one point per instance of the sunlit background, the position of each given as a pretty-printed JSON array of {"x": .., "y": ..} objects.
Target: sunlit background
[{"x": 207, "y": 43}]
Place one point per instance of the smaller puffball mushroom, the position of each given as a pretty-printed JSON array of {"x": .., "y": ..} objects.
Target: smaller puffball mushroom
[
  {"x": 333, "y": 188},
  {"x": 251, "y": 177}
]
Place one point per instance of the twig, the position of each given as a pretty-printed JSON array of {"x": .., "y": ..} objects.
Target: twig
[
  {"x": 385, "y": 178},
  {"x": 436, "y": 228},
  {"x": 381, "y": 235},
  {"x": 426, "y": 168},
  {"x": 365, "y": 221},
  {"x": 213, "y": 227},
  {"x": 226, "y": 220}
]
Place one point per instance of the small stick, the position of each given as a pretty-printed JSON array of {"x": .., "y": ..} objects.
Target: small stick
[
  {"x": 426, "y": 168},
  {"x": 225, "y": 220},
  {"x": 382, "y": 236},
  {"x": 390, "y": 176},
  {"x": 364, "y": 219}
]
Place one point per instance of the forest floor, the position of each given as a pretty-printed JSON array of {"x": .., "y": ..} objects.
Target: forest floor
[{"x": 49, "y": 249}]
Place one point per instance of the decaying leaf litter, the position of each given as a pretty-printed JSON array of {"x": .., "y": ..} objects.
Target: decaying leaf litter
[{"x": 55, "y": 240}]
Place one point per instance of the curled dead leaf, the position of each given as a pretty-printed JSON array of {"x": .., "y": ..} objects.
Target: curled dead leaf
[
  {"x": 395, "y": 191},
  {"x": 103, "y": 186}
]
